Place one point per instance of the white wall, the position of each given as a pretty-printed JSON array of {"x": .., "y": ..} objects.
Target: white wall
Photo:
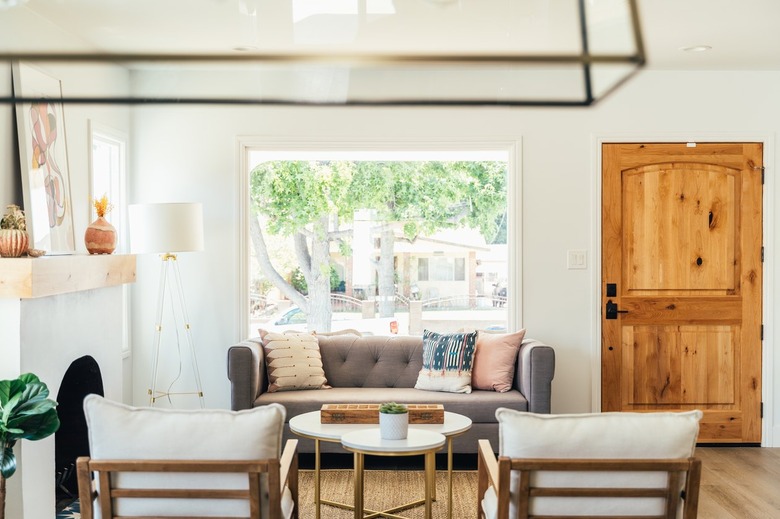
[
  {"x": 190, "y": 154},
  {"x": 14, "y": 26}
]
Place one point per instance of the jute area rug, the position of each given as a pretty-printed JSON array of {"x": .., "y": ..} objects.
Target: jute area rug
[{"x": 384, "y": 489}]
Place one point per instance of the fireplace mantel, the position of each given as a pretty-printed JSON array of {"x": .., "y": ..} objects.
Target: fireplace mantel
[
  {"x": 53, "y": 311},
  {"x": 23, "y": 278}
]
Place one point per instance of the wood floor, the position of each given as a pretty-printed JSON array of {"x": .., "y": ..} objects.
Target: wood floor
[{"x": 739, "y": 483}]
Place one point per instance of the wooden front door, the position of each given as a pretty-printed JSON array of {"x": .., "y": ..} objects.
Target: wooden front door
[{"x": 681, "y": 283}]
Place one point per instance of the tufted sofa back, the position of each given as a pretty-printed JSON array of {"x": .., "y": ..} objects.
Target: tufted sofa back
[{"x": 371, "y": 361}]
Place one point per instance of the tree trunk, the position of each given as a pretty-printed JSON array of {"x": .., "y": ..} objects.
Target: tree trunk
[
  {"x": 2, "y": 497},
  {"x": 386, "y": 273},
  {"x": 261, "y": 252},
  {"x": 318, "y": 278}
]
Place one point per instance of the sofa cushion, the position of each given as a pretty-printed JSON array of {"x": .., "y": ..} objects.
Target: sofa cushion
[
  {"x": 293, "y": 362},
  {"x": 447, "y": 361},
  {"x": 494, "y": 360},
  {"x": 480, "y": 406},
  {"x": 371, "y": 361}
]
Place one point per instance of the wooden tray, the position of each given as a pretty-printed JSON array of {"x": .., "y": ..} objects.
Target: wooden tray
[{"x": 369, "y": 413}]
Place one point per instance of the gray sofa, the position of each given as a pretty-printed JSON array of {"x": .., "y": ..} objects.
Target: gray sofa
[{"x": 376, "y": 369}]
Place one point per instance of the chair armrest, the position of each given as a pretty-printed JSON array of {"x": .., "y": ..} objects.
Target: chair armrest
[
  {"x": 246, "y": 372},
  {"x": 535, "y": 371},
  {"x": 495, "y": 473},
  {"x": 288, "y": 463},
  {"x": 288, "y": 472},
  {"x": 487, "y": 467},
  {"x": 87, "y": 491}
]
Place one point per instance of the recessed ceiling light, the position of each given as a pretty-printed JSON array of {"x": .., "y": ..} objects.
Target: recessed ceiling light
[
  {"x": 245, "y": 48},
  {"x": 696, "y": 48}
]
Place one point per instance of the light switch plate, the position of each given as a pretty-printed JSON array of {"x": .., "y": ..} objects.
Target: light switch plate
[{"x": 577, "y": 259}]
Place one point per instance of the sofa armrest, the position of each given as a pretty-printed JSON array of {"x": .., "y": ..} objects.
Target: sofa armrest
[
  {"x": 246, "y": 372},
  {"x": 535, "y": 371}
]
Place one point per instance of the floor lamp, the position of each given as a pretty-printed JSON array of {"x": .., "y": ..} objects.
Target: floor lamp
[{"x": 167, "y": 229}]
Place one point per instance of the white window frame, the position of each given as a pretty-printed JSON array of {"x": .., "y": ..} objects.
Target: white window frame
[
  {"x": 286, "y": 148},
  {"x": 117, "y": 196}
]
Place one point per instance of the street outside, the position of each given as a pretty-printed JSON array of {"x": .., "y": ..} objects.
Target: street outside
[{"x": 445, "y": 321}]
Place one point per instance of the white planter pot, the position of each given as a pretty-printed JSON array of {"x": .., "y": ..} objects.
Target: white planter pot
[{"x": 393, "y": 426}]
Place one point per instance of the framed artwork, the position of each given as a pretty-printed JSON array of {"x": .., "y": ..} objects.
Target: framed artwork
[{"x": 43, "y": 155}]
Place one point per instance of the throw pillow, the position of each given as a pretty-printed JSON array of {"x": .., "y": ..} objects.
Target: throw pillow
[
  {"x": 293, "y": 362},
  {"x": 447, "y": 362},
  {"x": 494, "y": 360}
]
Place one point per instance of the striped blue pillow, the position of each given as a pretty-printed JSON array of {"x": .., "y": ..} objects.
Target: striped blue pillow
[{"x": 447, "y": 361}]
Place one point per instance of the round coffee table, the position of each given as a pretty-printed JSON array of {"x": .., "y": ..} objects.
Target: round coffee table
[
  {"x": 308, "y": 425},
  {"x": 418, "y": 442}
]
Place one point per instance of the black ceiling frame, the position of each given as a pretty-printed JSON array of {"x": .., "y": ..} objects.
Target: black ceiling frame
[{"x": 584, "y": 59}]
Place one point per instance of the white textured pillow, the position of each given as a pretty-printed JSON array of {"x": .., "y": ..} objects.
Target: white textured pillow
[
  {"x": 600, "y": 436},
  {"x": 293, "y": 361},
  {"x": 118, "y": 431}
]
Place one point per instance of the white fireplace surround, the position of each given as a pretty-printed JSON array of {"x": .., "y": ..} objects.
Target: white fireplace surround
[{"x": 44, "y": 335}]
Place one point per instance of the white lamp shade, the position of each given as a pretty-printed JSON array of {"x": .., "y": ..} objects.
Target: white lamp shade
[{"x": 168, "y": 227}]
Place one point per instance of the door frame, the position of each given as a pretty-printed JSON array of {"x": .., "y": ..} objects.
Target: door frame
[{"x": 767, "y": 361}]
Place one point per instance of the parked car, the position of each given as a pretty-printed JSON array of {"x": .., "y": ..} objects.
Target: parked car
[{"x": 294, "y": 319}]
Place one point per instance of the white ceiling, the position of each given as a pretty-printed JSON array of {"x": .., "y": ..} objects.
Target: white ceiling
[{"x": 743, "y": 34}]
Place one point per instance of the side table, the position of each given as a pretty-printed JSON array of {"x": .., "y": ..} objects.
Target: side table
[{"x": 418, "y": 442}]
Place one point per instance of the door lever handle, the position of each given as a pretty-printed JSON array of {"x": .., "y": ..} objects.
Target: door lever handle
[{"x": 612, "y": 310}]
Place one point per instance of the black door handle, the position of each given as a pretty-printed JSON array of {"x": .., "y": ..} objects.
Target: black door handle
[{"x": 612, "y": 310}]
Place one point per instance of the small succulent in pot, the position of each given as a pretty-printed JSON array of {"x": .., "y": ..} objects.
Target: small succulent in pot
[
  {"x": 393, "y": 421},
  {"x": 393, "y": 408},
  {"x": 13, "y": 233}
]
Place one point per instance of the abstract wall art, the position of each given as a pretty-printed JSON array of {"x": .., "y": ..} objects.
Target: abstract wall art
[{"x": 43, "y": 157}]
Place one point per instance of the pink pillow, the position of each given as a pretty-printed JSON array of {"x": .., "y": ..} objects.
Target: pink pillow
[{"x": 494, "y": 360}]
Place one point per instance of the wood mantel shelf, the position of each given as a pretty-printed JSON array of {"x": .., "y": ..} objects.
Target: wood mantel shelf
[{"x": 51, "y": 275}]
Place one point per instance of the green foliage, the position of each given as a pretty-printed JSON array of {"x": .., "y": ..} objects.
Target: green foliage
[
  {"x": 393, "y": 408},
  {"x": 26, "y": 413},
  {"x": 298, "y": 281},
  {"x": 424, "y": 196}
]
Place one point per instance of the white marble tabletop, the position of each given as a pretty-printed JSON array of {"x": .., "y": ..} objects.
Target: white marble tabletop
[{"x": 308, "y": 425}]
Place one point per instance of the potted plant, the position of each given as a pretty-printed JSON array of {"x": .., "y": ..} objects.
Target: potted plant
[
  {"x": 393, "y": 421},
  {"x": 13, "y": 233},
  {"x": 26, "y": 413}
]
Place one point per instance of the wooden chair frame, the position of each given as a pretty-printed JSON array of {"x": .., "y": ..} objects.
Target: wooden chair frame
[
  {"x": 281, "y": 472},
  {"x": 496, "y": 473}
]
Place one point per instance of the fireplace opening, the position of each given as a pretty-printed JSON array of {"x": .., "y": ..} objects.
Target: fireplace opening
[{"x": 71, "y": 441}]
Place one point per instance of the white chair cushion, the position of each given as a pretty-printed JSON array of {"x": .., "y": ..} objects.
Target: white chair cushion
[
  {"x": 118, "y": 431},
  {"x": 597, "y": 436}
]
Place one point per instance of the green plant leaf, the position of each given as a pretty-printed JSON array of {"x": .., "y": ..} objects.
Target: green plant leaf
[
  {"x": 33, "y": 407},
  {"x": 40, "y": 426},
  {"x": 7, "y": 462},
  {"x": 27, "y": 413},
  {"x": 5, "y": 392}
]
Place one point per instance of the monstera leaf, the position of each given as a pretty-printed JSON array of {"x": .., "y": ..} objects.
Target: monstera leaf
[{"x": 26, "y": 413}]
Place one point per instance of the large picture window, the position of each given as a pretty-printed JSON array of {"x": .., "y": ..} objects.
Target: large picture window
[{"x": 382, "y": 242}]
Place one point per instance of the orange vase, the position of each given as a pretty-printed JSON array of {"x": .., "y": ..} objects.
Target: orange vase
[
  {"x": 100, "y": 237},
  {"x": 13, "y": 243}
]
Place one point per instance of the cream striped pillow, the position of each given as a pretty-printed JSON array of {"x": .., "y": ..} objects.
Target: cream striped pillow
[{"x": 293, "y": 361}]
